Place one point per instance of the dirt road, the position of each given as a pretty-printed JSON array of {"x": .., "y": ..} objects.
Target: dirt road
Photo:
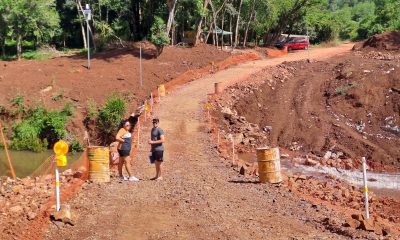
[{"x": 200, "y": 196}]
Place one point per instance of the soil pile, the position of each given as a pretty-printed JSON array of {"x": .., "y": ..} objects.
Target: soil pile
[
  {"x": 388, "y": 41},
  {"x": 348, "y": 105},
  {"x": 24, "y": 202}
]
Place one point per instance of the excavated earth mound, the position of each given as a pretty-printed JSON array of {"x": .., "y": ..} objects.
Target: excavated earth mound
[
  {"x": 349, "y": 105},
  {"x": 388, "y": 41}
]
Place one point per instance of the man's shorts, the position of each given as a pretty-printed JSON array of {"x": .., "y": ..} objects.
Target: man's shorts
[{"x": 158, "y": 156}]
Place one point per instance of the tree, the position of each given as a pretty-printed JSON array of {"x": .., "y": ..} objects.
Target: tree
[
  {"x": 237, "y": 24},
  {"x": 171, "y": 16},
  {"x": 31, "y": 18},
  {"x": 158, "y": 34},
  {"x": 4, "y": 27}
]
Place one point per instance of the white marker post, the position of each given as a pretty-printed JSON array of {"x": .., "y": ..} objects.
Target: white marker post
[
  {"x": 140, "y": 67},
  {"x": 57, "y": 190},
  {"x": 87, "y": 12},
  {"x": 364, "y": 168}
]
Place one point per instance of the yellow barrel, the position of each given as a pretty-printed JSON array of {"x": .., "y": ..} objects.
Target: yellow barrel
[
  {"x": 99, "y": 164},
  {"x": 161, "y": 90},
  {"x": 217, "y": 88},
  {"x": 269, "y": 165}
]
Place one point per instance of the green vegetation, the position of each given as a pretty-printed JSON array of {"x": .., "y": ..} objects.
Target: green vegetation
[
  {"x": 26, "y": 25},
  {"x": 92, "y": 111},
  {"x": 40, "y": 128},
  {"x": 110, "y": 115},
  {"x": 76, "y": 146},
  {"x": 342, "y": 90},
  {"x": 158, "y": 34}
]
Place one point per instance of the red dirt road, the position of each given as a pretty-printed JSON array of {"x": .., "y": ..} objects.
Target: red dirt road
[{"x": 200, "y": 196}]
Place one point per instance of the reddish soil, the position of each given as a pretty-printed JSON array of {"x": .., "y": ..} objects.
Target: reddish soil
[
  {"x": 388, "y": 41},
  {"x": 350, "y": 104},
  {"x": 56, "y": 81}
]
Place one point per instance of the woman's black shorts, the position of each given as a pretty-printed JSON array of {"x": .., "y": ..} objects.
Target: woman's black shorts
[
  {"x": 124, "y": 153},
  {"x": 158, "y": 156}
]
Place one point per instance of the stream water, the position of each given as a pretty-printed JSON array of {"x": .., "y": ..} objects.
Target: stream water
[
  {"x": 26, "y": 162},
  {"x": 383, "y": 184}
]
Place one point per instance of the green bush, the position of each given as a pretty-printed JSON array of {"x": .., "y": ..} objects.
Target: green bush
[
  {"x": 76, "y": 146},
  {"x": 38, "y": 129},
  {"x": 91, "y": 110},
  {"x": 158, "y": 35},
  {"x": 110, "y": 115}
]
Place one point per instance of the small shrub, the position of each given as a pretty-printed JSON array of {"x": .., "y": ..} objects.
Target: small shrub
[
  {"x": 342, "y": 90},
  {"x": 18, "y": 100},
  {"x": 58, "y": 96},
  {"x": 76, "y": 146},
  {"x": 39, "y": 129},
  {"x": 110, "y": 115},
  {"x": 68, "y": 109},
  {"x": 91, "y": 110}
]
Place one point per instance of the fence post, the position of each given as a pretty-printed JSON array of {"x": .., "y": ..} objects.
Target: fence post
[
  {"x": 364, "y": 168},
  {"x": 7, "y": 154}
]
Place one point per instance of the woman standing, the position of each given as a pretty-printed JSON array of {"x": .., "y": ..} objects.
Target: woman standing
[{"x": 124, "y": 138}]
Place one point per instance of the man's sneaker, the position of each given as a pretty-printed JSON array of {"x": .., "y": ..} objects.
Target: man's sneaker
[
  {"x": 123, "y": 178},
  {"x": 133, "y": 179}
]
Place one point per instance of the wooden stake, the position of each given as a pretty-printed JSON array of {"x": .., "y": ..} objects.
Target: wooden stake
[{"x": 7, "y": 154}]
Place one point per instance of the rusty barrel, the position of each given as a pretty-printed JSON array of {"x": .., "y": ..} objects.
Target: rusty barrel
[
  {"x": 217, "y": 88},
  {"x": 99, "y": 163},
  {"x": 269, "y": 165},
  {"x": 161, "y": 90}
]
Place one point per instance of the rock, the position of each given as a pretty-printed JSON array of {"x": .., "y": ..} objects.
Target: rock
[
  {"x": 227, "y": 111},
  {"x": 378, "y": 229},
  {"x": 16, "y": 209},
  {"x": 242, "y": 171},
  {"x": 238, "y": 138},
  {"x": 31, "y": 216},
  {"x": 77, "y": 174},
  {"x": 367, "y": 225},
  {"x": 17, "y": 189},
  {"x": 311, "y": 162},
  {"x": 64, "y": 215},
  {"x": 301, "y": 177},
  {"x": 328, "y": 155},
  {"x": 351, "y": 222},
  {"x": 357, "y": 216},
  {"x": 386, "y": 231},
  {"x": 67, "y": 172}
]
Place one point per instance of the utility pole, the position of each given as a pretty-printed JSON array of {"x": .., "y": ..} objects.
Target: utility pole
[
  {"x": 88, "y": 16},
  {"x": 141, "y": 70}
]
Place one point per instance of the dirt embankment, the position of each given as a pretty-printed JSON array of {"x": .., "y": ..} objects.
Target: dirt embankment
[
  {"x": 349, "y": 105},
  {"x": 56, "y": 81},
  {"x": 330, "y": 113}
]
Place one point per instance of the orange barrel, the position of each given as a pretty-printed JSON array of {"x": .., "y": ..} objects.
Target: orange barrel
[
  {"x": 217, "y": 87},
  {"x": 99, "y": 164},
  {"x": 161, "y": 90},
  {"x": 269, "y": 165}
]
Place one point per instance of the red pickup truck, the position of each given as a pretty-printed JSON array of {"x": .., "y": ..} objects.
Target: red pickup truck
[{"x": 294, "y": 42}]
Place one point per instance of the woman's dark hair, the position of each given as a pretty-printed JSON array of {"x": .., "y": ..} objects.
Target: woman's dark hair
[{"x": 122, "y": 123}]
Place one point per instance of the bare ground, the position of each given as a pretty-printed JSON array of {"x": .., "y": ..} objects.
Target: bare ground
[{"x": 200, "y": 196}]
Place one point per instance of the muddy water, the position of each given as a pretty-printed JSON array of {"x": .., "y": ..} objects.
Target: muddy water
[
  {"x": 26, "y": 162},
  {"x": 383, "y": 184}
]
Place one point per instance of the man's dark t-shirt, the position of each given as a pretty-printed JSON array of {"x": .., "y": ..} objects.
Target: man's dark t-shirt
[{"x": 155, "y": 136}]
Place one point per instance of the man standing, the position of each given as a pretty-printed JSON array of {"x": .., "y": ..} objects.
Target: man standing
[{"x": 157, "y": 148}]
